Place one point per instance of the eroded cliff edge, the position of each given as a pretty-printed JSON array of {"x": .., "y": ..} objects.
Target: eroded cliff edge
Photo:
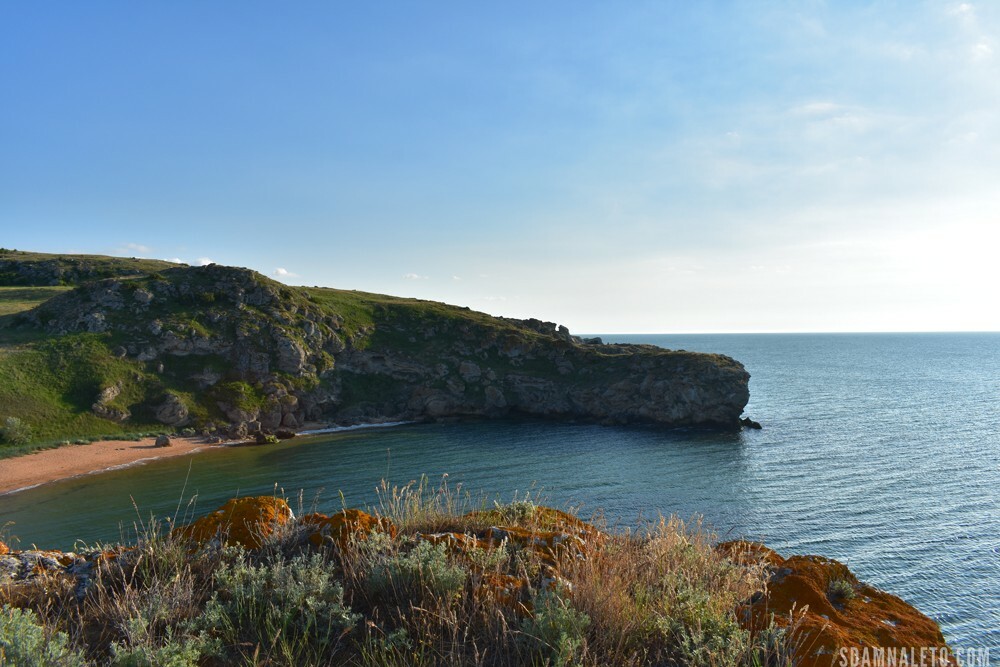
[{"x": 217, "y": 346}]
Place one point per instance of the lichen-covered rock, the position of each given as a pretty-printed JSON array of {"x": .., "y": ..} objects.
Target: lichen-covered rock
[
  {"x": 4, "y": 549},
  {"x": 344, "y": 526},
  {"x": 828, "y": 609},
  {"x": 244, "y": 521}
]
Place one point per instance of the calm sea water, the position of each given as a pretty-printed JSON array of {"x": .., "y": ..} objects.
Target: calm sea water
[{"x": 880, "y": 450}]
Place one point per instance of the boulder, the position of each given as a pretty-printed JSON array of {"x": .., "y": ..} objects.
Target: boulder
[
  {"x": 247, "y": 522},
  {"x": 344, "y": 526},
  {"x": 239, "y": 431},
  {"x": 162, "y": 441},
  {"x": 105, "y": 411},
  {"x": 172, "y": 411},
  {"x": 832, "y": 610}
]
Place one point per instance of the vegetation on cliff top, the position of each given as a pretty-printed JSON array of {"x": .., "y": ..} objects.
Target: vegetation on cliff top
[
  {"x": 159, "y": 347},
  {"x": 431, "y": 576}
]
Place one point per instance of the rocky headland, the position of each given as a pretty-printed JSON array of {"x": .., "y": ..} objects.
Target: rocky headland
[{"x": 228, "y": 351}]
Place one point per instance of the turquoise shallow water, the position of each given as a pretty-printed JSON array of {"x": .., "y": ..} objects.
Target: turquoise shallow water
[{"x": 881, "y": 450}]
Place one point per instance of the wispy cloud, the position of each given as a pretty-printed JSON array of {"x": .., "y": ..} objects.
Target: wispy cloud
[
  {"x": 205, "y": 261},
  {"x": 414, "y": 276},
  {"x": 136, "y": 249},
  {"x": 282, "y": 272}
]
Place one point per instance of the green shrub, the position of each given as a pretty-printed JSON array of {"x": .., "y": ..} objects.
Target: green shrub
[
  {"x": 15, "y": 431},
  {"x": 555, "y": 631},
  {"x": 517, "y": 511},
  {"x": 423, "y": 570},
  {"x": 700, "y": 632},
  {"x": 25, "y": 643},
  {"x": 186, "y": 652},
  {"x": 293, "y": 611},
  {"x": 840, "y": 590}
]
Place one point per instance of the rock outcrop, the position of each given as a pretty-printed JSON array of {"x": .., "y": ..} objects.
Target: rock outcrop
[
  {"x": 826, "y": 608},
  {"x": 821, "y": 605}
]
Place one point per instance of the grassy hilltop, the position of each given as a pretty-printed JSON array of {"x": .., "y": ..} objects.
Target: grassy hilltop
[{"x": 96, "y": 346}]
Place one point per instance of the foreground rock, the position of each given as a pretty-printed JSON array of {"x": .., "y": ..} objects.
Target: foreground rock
[
  {"x": 243, "y": 521},
  {"x": 823, "y": 606},
  {"x": 827, "y": 609}
]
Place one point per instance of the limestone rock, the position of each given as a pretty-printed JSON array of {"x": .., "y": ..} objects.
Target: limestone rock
[
  {"x": 239, "y": 431},
  {"x": 469, "y": 371},
  {"x": 172, "y": 411},
  {"x": 105, "y": 411}
]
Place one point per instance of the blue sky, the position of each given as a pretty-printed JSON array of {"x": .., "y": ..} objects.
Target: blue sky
[{"x": 617, "y": 167}]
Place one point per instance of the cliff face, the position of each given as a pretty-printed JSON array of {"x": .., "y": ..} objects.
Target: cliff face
[{"x": 218, "y": 344}]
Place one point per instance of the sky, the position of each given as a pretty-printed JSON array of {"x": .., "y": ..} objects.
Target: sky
[{"x": 641, "y": 167}]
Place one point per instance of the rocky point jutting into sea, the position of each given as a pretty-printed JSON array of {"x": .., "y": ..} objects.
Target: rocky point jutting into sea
[{"x": 221, "y": 348}]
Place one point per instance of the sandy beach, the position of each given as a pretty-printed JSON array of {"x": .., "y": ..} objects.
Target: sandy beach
[{"x": 49, "y": 465}]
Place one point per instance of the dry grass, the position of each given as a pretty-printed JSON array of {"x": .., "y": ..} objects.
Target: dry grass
[{"x": 655, "y": 594}]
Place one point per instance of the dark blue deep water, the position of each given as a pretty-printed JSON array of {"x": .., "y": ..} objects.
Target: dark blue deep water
[{"x": 880, "y": 450}]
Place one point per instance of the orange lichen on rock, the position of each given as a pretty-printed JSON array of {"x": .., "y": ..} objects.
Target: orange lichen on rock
[
  {"x": 828, "y": 609},
  {"x": 506, "y": 590},
  {"x": 244, "y": 521},
  {"x": 3, "y": 549},
  {"x": 345, "y": 526}
]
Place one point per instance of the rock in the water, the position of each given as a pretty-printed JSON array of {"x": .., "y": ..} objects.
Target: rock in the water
[
  {"x": 162, "y": 441},
  {"x": 749, "y": 423}
]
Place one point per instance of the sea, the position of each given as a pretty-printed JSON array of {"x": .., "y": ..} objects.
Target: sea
[{"x": 879, "y": 450}]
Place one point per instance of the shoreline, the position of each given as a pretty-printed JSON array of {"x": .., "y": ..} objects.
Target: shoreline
[{"x": 21, "y": 473}]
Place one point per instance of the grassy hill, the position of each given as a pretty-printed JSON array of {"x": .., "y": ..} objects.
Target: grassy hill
[{"x": 139, "y": 346}]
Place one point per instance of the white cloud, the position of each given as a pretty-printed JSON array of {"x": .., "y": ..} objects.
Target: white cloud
[
  {"x": 816, "y": 109},
  {"x": 456, "y": 278},
  {"x": 176, "y": 260},
  {"x": 981, "y": 51},
  {"x": 282, "y": 272},
  {"x": 205, "y": 261},
  {"x": 137, "y": 249},
  {"x": 414, "y": 276}
]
